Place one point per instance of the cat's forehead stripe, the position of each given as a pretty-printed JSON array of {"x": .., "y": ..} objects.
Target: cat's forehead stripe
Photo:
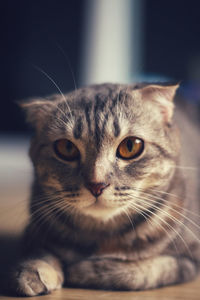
[
  {"x": 116, "y": 127},
  {"x": 78, "y": 128},
  {"x": 101, "y": 116},
  {"x": 88, "y": 108}
]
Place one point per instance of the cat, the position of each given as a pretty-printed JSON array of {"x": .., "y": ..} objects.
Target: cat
[{"x": 115, "y": 201}]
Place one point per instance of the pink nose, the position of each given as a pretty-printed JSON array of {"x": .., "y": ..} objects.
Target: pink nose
[{"x": 96, "y": 188}]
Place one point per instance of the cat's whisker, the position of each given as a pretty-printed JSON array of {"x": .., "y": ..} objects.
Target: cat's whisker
[
  {"x": 126, "y": 213},
  {"x": 66, "y": 206},
  {"x": 166, "y": 223},
  {"x": 146, "y": 200},
  {"x": 47, "y": 205},
  {"x": 44, "y": 205},
  {"x": 140, "y": 212},
  {"x": 48, "y": 201},
  {"x": 55, "y": 216},
  {"x": 166, "y": 200},
  {"x": 42, "y": 201},
  {"x": 184, "y": 167},
  {"x": 41, "y": 214},
  {"x": 175, "y": 220},
  {"x": 49, "y": 194},
  {"x": 148, "y": 219},
  {"x": 162, "y": 192},
  {"x": 41, "y": 218}
]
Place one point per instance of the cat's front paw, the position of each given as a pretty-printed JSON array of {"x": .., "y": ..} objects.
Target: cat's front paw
[{"x": 36, "y": 277}]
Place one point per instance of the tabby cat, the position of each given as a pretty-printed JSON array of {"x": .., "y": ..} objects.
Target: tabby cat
[{"x": 115, "y": 201}]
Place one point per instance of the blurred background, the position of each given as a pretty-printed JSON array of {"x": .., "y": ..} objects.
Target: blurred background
[
  {"x": 90, "y": 41},
  {"x": 46, "y": 45}
]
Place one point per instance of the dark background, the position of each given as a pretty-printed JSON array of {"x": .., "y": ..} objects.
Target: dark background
[{"x": 33, "y": 33}]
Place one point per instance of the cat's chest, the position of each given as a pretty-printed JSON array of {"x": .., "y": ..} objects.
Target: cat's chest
[
  {"x": 130, "y": 246},
  {"x": 123, "y": 248},
  {"x": 114, "y": 247},
  {"x": 117, "y": 247}
]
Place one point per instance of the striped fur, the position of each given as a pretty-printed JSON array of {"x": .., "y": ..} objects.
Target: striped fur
[{"x": 139, "y": 233}]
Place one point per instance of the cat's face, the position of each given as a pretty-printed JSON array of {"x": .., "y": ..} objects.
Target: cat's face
[{"x": 99, "y": 150}]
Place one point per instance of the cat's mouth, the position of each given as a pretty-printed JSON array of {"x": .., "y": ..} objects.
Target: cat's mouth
[
  {"x": 95, "y": 203},
  {"x": 99, "y": 209}
]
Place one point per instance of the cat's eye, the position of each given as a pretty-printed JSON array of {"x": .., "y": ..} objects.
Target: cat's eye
[
  {"x": 66, "y": 150},
  {"x": 130, "y": 147}
]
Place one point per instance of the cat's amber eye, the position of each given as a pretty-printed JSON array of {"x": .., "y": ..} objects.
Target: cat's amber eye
[
  {"x": 66, "y": 150},
  {"x": 130, "y": 147}
]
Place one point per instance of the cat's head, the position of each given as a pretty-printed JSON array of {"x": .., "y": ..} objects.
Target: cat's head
[{"x": 98, "y": 150}]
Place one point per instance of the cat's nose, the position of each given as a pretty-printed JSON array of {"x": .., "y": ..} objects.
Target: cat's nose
[{"x": 96, "y": 188}]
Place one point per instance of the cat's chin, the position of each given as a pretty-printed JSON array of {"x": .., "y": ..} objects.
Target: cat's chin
[{"x": 100, "y": 211}]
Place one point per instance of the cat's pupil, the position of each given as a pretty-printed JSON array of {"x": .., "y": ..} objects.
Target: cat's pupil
[
  {"x": 129, "y": 145},
  {"x": 69, "y": 146}
]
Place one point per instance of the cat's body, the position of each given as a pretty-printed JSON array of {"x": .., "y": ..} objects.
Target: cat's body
[{"x": 120, "y": 209}]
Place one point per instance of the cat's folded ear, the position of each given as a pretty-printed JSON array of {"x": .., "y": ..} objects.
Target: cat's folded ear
[
  {"x": 163, "y": 96},
  {"x": 36, "y": 110}
]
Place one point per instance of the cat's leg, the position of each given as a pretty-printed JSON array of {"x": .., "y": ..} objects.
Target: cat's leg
[
  {"x": 123, "y": 275},
  {"x": 37, "y": 276}
]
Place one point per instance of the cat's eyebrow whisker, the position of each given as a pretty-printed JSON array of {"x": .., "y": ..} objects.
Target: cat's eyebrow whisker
[
  {"x": 68, "y": 62},
  {"x": 165, "y": 222},
  {"x": 61, "y": 93},
  {"x": 61, "y": 120},
  {"x": 64, "y": 115},
  {"x": 51, "y": 79},
  {"x": 62, "y": 112}
]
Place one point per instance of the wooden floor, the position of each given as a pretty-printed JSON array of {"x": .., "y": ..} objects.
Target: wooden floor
[
  {"x": 183, "y": 292},
  {"x": 13, "y": 217}
]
